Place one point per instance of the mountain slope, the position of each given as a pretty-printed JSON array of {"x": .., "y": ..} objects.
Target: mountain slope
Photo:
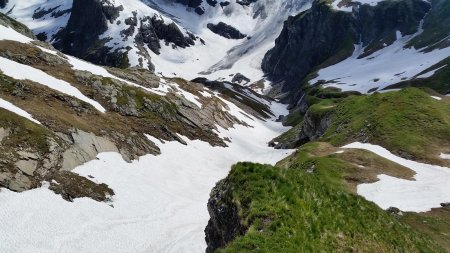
[
  {"x": 360, "y": 47},
  {"x": 172, "y": 38},
  {"x": 103, "y": 154}
]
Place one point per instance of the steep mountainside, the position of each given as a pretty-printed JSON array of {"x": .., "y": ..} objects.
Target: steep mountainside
[
  {"x": 118, "y": 117},
  {"x": 103, "y": 154},
  {"x": 175, "y": 38},
  {"x": 43, "y": 81},
  {"x": 309, "y": 202},
  {"x": 360, "y": 47}
]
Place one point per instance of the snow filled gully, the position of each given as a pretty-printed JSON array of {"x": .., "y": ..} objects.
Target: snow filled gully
[
  {"x": 430, "y": 188},
  {"x": 160, "y": 201}
]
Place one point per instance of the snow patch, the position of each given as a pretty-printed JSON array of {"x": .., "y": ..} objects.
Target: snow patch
[
  {"x": 23, "y": 72},
  {"x": 429, "y": 189},
  {"x": 10, "y": 107},
  {"x": 437, "y": 98},
  {"x": 431, "y": 73},
  {"x": 7, "y": 33},
  {"x": 387, "y": 66}
]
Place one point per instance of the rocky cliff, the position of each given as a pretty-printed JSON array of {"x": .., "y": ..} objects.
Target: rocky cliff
[
  {"x": 90, "y": 19},
  {"x": 225, "y": 223}
]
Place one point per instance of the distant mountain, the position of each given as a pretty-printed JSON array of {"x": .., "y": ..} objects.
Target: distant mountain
[
  {"x": 361, "y": 47},
  {"x": 174, "y": 38}
]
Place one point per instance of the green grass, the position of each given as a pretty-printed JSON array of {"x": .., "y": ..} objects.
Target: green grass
[
  {"x": 408, "y": 121},
  {"x": 435, "y": 223},
  {"x": 24, "y": 133},
  {"x": 291, "y": 210}
]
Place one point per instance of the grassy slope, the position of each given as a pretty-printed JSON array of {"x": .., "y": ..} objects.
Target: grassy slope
[
  {"x": 435, "y": 223},
  {"x": 291, "y": 210},
  {"x": 407, "y": 122}
]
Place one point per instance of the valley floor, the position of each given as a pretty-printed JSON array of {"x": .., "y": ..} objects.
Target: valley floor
[{"x": 160, "y": 201}]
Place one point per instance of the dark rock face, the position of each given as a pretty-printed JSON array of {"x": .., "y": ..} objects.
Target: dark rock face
[
  {"x": 226, "y": 31},
  {"x": 224, "y": 225},
  {"x": 81, "y": 35},
  {"x": 3, "y": 3},
  {"x": 246, "y": 2},
  {"x": 436, "y": 26},
  {"x": 314, "y": 126},
  {"x": 190, "y": 3},
  {"x": 240, "y": 78},
  {"x": 321, "y": 36},
  {"x": 213, "y": 3},
  {"x": 89, "y": 19},
  {"x": 152, "y": 30}
]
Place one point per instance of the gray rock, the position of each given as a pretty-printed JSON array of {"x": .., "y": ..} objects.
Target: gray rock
[
  {"x": 4, "y": 132},
  {"x": 85, "y": 148},
  {"x": 20, "y": 183},
  {"x": 27, "y": 166}
]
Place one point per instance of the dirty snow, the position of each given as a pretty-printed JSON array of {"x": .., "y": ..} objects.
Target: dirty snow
[
  {"x": 429, "y": 189},
  {"x": 12, "y": 108}
]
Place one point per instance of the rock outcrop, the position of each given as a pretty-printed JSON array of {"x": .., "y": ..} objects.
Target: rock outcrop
[
  {"x": 226, "y": 31},
  {"x": 224, "y": 224},
  {"x": 89, "y": 19},
  {"x": 3, "y": 3}
]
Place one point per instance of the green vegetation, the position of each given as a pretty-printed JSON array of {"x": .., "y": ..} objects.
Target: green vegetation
[
  {"x": 23, "y": 133},
  {"x": 435, "y": 223},
  {"x": 304, "y": 205},
  {"x": 19, "y": 27},
  {"x": 406, "y": 122}
]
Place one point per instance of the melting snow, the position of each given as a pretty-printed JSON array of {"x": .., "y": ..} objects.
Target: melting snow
[
  {"x": 437, "y": 98},
  {"x": 429, "y": 189},
  {"x": 160, "y": 201},
  {"x": 10, "y": 107},
  {"x": 387, "y": 66},
  {"x": 7, "y": 33},
  {"x": 445, "y": 156},
  {"x": 23, "y": 72}
]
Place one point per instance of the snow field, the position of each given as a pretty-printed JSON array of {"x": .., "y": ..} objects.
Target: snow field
[
  {"x": 160, "y": 201},
  {"x": 429, "y": 189}
]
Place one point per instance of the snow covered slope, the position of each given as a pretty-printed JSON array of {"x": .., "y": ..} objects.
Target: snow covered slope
[
  {"x": 390, "y": 65},
  {"x": 153, "y": 203},
  {"x": 180, "y": 44},
  {"x": 361, "y": 45},
  {"x": 159, "y": 205}
]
